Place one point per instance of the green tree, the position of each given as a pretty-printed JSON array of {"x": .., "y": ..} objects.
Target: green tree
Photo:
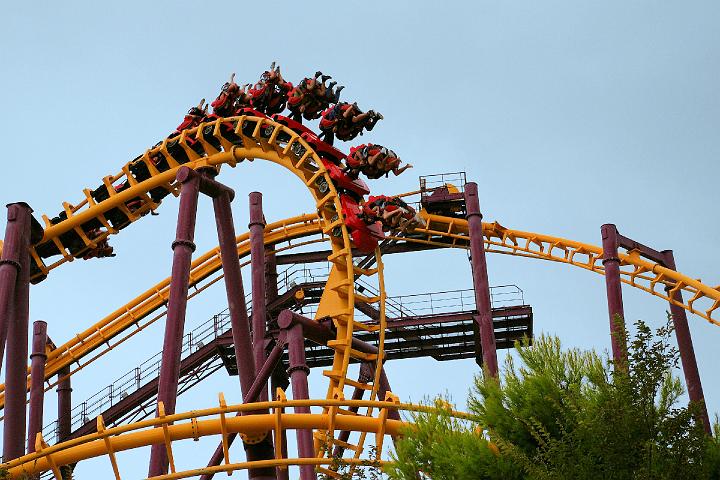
[{"x": 568, "y": 414}]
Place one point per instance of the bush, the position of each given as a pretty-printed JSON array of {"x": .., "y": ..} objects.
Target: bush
[{"x": 568, "y": 414}]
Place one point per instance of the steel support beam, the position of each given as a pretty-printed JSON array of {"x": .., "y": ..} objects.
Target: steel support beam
[
  {"x": 611, "y": 262},
  {"x": 37, "y": 387},
  {"x": 17, "y": 216},
  {"x": 183, "y": 248},
  {"x": 246, "y": 365},
  {"x": 685, "y": 346},
  {"x": 299, "y": 371},
  {"x": 64, "y": 404},
  {"x": 480, "y": 279},
  {"x": 257, "y": 259},
  {"x": 251, "y": 396},
  {"x": 17, "y": 339}
]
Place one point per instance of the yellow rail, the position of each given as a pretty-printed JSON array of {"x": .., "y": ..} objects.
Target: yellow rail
[
  {"x": 215, "y": 421},
  {"x": 441, "y": 231},
  {"x": 259, "y": 138},
  {"x": 223, "y": 142}
]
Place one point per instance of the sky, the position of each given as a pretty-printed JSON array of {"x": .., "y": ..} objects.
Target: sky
[{"x": 568, "y": 115}]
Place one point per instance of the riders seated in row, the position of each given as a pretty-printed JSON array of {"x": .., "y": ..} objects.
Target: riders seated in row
[
  {"x": 346, "y": 121},
  {"x": 392, "y": 212},
  {"x": 194, "y": 117},
  {"x": 373, "y": 161},
  {"x": 270, "y": 94},
  {"x": 311, "y": 96}
]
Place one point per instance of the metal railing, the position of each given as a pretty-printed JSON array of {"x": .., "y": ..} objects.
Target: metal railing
[
  {"x": 396, "y": 307},
  {"x": 428, "y": 183}
]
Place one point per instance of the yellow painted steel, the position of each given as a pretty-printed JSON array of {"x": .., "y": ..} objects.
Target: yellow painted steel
[
  {"x": 638, "y": 272},
  {"x": 270, "y": 141},
  {"x": 210, "y": 422},
  {"x": 440, "y": 231},
  {"x": 276, "y": 143}
]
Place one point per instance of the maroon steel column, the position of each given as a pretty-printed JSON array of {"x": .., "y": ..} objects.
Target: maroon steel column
[
  {"x": 64, "y": 397},
  {"x": 10, "y": 266},
  {"x": 235, "y": 292},
  {"x": 614, "y": 292},
  {"x": 37, "y": 377},
  {"x": 17, "y": 350},
  {"x": 687, "y": 351},
  {"x": 183, "y": 248},
  {"x": 64, "y": 407},
  {"x": 299, "y": 372},
  {"x": 257, "y": 257},
  {"x": 480, "y": 279},
  {"x": 250, "y": 397},
  {"x": 282, "y": 473},
  {"x": 271, "y": 276},
  {"x": 240, "y": 326}
]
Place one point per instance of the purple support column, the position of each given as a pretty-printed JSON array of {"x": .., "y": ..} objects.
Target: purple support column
[
  {"x": 37, "y": 387},
  {"x": 250, "y": 397},
  {"x": 282, "y": 473},
  {"x": 235, "y": 292},
  {"x": 271, "y": 276},
  {"x": 183, "y": 247},
  {"x": 240, "y": 324},
  {"x": 299, "y": 372},
  {"x": 18, "y": 214},
  {"x": 64, "y": 397},
  {"x": 611, "y": 262},
  {"x": 480, "y": 279},
  {"x": 64, "y": 407},
  {"x": 257, "y": 257},
  {"x": 685, "y": 346},
  {"x": 271, "y": 294},
  {"x": 17, "y": 349}
]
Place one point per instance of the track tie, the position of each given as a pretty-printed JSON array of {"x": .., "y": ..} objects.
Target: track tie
[
  {"x": 342, "y": 286},
  {"x": 328, "y": 472},
  {"x": 368, "y": 272},
  {"x": 343, "y": 345},
  {"x": 343, "y": 411},
  {"x": 288, "y": 147},
  {"x": 303, "y": 159},
  {"x": 311, "y": 181},
  {"x": 327, "y": 198},
  {"x": 362, "y": 298},
  {"x": 340, "y": 254},
  {"x": 336, "y": 375},
  {"x": 363, "y": 326},
  {"x": 345, "y": 445}
]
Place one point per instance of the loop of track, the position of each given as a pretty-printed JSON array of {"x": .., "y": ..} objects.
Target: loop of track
[
  {"x": 261, "y": 138},
  {"x": 229, "y": 141},
  {"x": 442, "y": 232}
]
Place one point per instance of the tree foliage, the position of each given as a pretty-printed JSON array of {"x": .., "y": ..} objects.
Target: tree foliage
[{"x": 568, "y": 414}]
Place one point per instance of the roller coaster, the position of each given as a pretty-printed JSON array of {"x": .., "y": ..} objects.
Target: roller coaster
[{"x": 338, "y": 318}]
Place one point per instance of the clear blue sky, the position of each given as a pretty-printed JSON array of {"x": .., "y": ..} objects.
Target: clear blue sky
[{"x": 568, "y": 115}]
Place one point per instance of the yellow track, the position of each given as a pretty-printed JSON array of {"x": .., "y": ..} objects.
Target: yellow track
[
  {"x": 260, "y": 139},
  {"x": 340, "y": 296},
  {"x": 440, "y": 231}
]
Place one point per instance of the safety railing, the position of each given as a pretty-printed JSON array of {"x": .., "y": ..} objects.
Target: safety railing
[
  {"x": 397, "y": 307},
  {"x": 428, "y": 183},
  {"x": 196, "y": 339}
]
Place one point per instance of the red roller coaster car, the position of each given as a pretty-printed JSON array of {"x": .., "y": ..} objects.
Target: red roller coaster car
[
  {"x": 364, "y": 236},
  {"x": 331, "y": 157}
]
